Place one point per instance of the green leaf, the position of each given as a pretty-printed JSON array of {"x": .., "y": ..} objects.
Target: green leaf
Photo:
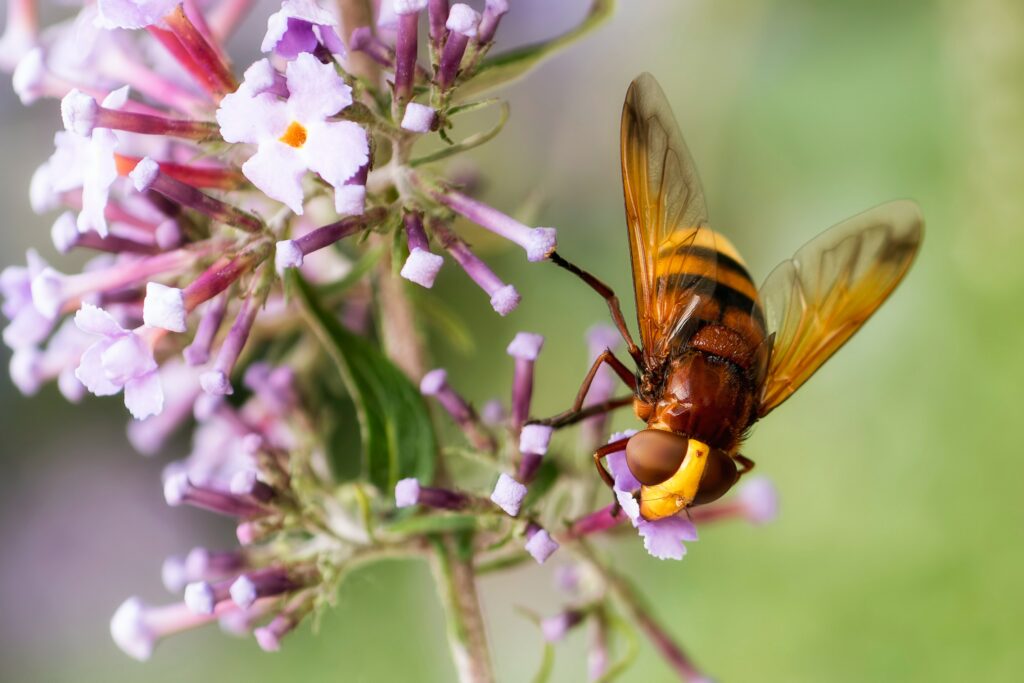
[
  {"x": 542, "y": 482},
  {"x": 510, "y": 66},
  {"x": 432, "y": 524},
  {"x": 395, "y": 428}
]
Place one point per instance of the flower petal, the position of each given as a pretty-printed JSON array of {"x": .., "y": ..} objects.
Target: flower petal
[
  {"x": 336, "y": 150},
  {"x": 100, "y": 174},
  {"x": 244, "y": 117},
  {"x": 277, "y": 170},
  {"x": 144, "y": 396},
  {"x": 316, "y": 90},
  {"x": 127, "y": 357},
  {"x": 94, "y": 320},
  {"x": 664, "y": 538},
  {"x": 91, "y": 374}
]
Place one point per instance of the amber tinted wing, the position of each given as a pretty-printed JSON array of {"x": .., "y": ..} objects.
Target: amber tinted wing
[
  {"x": 815, "y": 301},
  {"x": 666, "y": 215}
]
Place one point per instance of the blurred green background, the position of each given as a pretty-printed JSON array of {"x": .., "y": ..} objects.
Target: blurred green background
[{"x": 898, "y": 553}]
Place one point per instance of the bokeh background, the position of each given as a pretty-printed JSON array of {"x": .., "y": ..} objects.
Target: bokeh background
[{"x": 898, "y": 553}]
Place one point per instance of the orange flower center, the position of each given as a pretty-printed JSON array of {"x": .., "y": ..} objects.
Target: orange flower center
[{"x": 295, "y": 135}]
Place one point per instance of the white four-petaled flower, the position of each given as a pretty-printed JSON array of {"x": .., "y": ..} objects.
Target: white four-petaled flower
[{"x": 297, "y": 134}]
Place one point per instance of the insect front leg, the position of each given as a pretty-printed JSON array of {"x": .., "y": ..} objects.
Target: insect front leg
[
  {"x": 610, "y": 298},
  {"x": 603, "y": 452}
]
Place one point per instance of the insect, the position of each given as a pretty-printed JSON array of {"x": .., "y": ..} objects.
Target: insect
[{"x": 716, "y": 353}]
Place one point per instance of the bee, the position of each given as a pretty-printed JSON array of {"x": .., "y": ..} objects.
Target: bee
[{"x": 716, "y": 353}]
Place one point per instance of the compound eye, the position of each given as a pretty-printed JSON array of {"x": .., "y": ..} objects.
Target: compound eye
[
  {"x": 719, "y": 476},
  {"x": 654, "y": 455}
]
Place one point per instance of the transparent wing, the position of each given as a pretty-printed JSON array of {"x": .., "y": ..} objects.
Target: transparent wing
[
  {"x": 815, "y": 301},
  {"x": 673, "y": 253}
]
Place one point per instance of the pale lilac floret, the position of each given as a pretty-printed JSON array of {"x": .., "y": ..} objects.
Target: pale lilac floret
[
  {"x": 295, "y": 135},
  {"x": 64, "y": 232},
  {"x": 121, "y": 359},
  {"x": 407, "y": 493},
  {"x": 78, "y": 111},
  {"x": 20, "y": 33},
  {"x": 132, "y": 14},
  {"x": 541, "y": 546},
  {"x": 29, "y": 77},
  {"x": 555, "y": 628},
  {"x": 298, "y": 27},
  {"x": 350, "y": 198},
  {"x": 200, "y": 597},
  {"x": 433, "y": 382},
  {"x": 525, "y": 346},
  {"x": 164, "y": 307},
  {"x": 408, "y": 6},
  {"x": 28, "y": 325},
  {"x": 287, "y": 254},
  {"x": 173, "y": 573},
  {"x": 422, "y": 267},
  {"x": 418, "y": 118},
  {"x": 136, "y": 627},
  {"x": 759, "y": 499},
  {"x": 508, "y": 494},
  {"x": 463, "y": 19},
  {"x": 144, "y": 174},
  {"x": 505, "y": 300},
  {"x": 535, "y": 439}
]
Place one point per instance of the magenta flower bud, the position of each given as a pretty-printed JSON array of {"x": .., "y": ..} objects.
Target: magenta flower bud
[
  {"x": 179, "y": 490},
  {"x": 422, "y": 266},
  {"x": 504, "y": 298},
  {"x": 418, "y": 118},
  {"x": 539, "y": 243},
  {"x": 597, "y": 522},
  {"x": 405, "y": 46},
  {"x": 493, "y": 413},
  {"x": 215, "y": 381},
  {"x": 203, "y": 564},
  {"x": 539, "y": 544},
  {"x": 269, "y": 637},
  {"x": 173, "y": 573},
  {"x": 462, "y": 24},
  {"x": 409, "y": 492},
  {"x": 494, "y": 10},
  {"x": 81, "y": 113},
  {"x": 525, "y": 347},
  {"x": 292, "y": 252},
  {"x": 363, "y": 40},
  {"x": 137, "y": 627},
  {"x": 198, "y": 352},
  {"x": 147, "y": 176},
  {"x": 437, "y": 11},
  {"x": 247, "y": 588},
  {"x": 508, "y": 494},
  {"x": 246, "y": 483},
  {"x": 555, "y": 628},
  {"x": 202, "y": 597}
]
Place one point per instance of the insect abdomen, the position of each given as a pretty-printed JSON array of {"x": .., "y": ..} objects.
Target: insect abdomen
[{"x": 729, "y": 322}]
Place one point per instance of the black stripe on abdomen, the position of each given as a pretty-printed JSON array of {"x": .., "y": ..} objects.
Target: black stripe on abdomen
[{"x": 725, "y": 296}]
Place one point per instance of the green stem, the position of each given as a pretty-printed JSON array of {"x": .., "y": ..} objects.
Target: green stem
[{"x": 467, "y": 636}]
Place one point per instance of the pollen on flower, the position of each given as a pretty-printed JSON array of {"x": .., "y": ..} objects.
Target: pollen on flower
[{"x": 294, "y": 135}]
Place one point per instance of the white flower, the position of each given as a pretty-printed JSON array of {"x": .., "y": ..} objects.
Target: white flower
[{"x": 295, "y": 135}]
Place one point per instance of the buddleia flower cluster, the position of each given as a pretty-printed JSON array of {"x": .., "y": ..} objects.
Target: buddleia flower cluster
[{"x": 253, "y": 234}]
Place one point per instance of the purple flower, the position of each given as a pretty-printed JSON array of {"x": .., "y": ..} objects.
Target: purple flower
[
  {"x": 296, "y": 135},
  {"x": 299, "y": 27},
  {"x": 555, "y": 628},
  {"x": 407, "y": 493},
  {"x": 164, "y": 307},
  {"x": 541, "y": 546},
  {"x": 508, "y": 494},
  {"x": 535, "y": 439},
  {"x": 121, "y": 359},
  {"x": 624, "y": 479},
  {"x": 137, "y": 627},
  {"x": 28, "y": 325},
  {"x": 759, "y": 500},
  {"x": 418, "y": 118}
]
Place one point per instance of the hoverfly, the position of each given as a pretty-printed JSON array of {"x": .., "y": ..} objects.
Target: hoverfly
[{"x": 716, "y": 353}]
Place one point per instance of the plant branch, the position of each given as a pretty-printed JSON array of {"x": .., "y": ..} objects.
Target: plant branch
[{"x": 467, "y": 636}]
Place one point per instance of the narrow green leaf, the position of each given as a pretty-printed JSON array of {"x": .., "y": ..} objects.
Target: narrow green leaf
[
  {"x": 395, "y": 428},
  {"x": 433, "y": 524},
  {"x": 547, "y": 664},
  {"x": 510, "y": 66}
]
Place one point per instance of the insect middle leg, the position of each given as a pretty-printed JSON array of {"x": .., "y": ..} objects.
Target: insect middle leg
[
  {"x": 608, "y": 294},
  {"x": 746, "y": 463},
  {"x": 574, "y": 414}
]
